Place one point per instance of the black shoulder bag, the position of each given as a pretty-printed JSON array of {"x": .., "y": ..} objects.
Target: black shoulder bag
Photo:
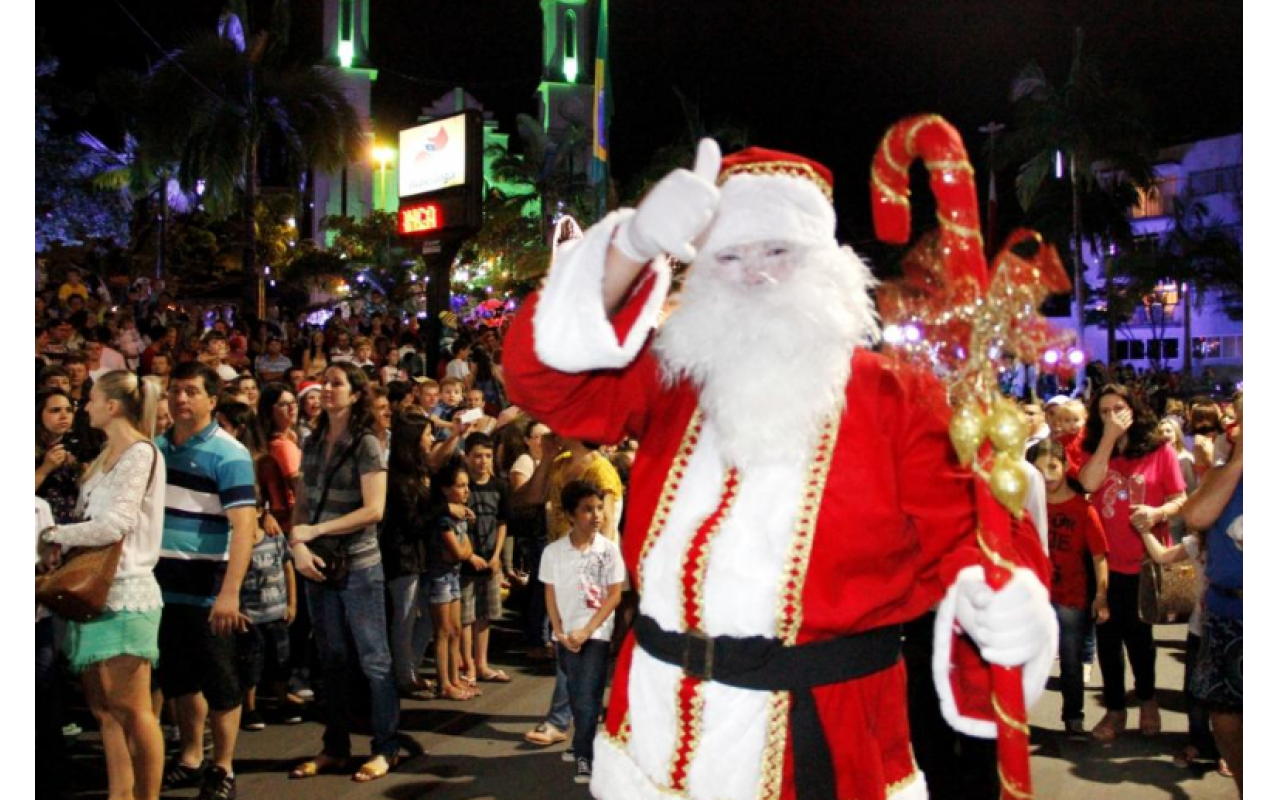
[{"x": 332, "y": 550}]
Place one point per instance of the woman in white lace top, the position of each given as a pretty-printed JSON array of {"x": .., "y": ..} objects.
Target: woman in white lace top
[{"x": 122, "y": 496}]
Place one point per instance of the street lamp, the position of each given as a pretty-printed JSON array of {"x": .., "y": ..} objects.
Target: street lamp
[{"x": 383, "y": 155}]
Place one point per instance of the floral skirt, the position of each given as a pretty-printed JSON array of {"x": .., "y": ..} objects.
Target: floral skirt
[{"x": 115, "y": 633}]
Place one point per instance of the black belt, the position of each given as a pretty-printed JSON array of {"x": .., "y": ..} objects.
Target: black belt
[{"x": 764, "y": 664}]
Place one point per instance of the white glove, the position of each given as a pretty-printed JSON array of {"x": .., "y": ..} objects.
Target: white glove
[
  {"x": 1011, "y": 626},
  {"x": 675, "y": 212}
]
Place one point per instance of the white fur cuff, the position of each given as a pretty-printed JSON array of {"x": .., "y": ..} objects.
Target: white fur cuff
[{"x": 572, "y": 332}]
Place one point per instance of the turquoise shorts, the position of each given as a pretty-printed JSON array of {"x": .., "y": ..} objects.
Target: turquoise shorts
[{"x": 115, "y": 633}]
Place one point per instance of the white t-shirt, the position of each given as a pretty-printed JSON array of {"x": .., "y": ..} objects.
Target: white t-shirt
[
  {"x": 458, "y": 369},
  {"x": 524, "y": 465},
  {"x": 582, "y": 579}
]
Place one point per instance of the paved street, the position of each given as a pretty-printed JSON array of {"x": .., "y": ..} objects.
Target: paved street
[{"x": 476, "y": 750}]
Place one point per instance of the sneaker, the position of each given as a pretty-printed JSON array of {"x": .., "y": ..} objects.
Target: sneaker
[
  {"x": 71, "y": 730},
  {"x": 567, "y": 756},
  {"x": 179, "y": 776},
  {"x": 290, "y": 713},
  {"x": 218, "y": 785},
  {"x": 1075, "y": 730},
  {"x": 583, "y": 772},
  {"x": 252, "y": 721},
  {"x": 546, "y": 734},
  {"x": 301, "y": 689}
]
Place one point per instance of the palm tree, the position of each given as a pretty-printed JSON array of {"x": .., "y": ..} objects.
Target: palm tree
[
  {"x": 1086, "y": 123},
  {"x": 140, "y": 181},
  {"x": 217, "y": 102}
]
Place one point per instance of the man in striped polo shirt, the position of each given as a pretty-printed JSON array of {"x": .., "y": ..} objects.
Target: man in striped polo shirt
[{"x": 209, "y": 524}]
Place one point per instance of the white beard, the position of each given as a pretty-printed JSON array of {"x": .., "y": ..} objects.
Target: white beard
[{"x": 771, "y": 362}]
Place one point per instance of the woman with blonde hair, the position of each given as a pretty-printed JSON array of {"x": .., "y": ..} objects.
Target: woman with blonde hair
[{"x": 122, "y": 497}]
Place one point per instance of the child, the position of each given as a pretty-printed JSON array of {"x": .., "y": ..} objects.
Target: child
[
  {"x": 481, "y": 574},
  {"x": 1076, "y": 540},
  {"x": 451, "y": 390},
  {"x": 583, "y": 574},
  {"x": 446, "y": 550},
  {"x": 269, "y": 598},
  {"x": 1068, "y": 429}
]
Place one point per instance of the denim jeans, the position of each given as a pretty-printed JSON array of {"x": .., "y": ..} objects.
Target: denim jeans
[
  {"x": 537, "y": 628},
  {"x": 411, "y": 628},
  {"x": 1072, "y": 631},
  {"x": 559, "y": 713},
  {"x": 357, "y": 611},
  {"x": 586, "y": 671}
]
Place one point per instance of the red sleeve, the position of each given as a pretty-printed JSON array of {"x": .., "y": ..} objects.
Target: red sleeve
[
  {"x": 1094, "y": 534},
  {"x": 936, "y": 493},
  {"x": 600, "y": 406},
  {"x": 287, "y": 455}
]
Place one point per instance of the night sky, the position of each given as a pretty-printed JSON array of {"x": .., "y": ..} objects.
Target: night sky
[{"x": 820, "y": 78}]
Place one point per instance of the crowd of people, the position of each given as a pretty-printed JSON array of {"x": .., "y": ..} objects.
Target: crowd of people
[{"x": 300, "y": 500}]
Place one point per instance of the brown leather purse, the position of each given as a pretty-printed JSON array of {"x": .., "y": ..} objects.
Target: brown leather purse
[
  {"x": 77, "y": 590},
  {"x": 1167, "y": 593}
]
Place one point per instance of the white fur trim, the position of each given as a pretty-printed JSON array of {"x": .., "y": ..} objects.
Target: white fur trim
[
  {"x": 746, "y": 561},
  {"x": 651, "y": 695},
  {"x": 757, "y": 208},
  {"x": 1035, "y": 674},
  {"x": 572, "y": 332},
  {"x": 614, "y": 776},
  {"x": 918, "y": 789}
]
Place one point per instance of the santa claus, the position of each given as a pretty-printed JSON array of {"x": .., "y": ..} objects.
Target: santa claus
[{"x": 793, "y": 502}]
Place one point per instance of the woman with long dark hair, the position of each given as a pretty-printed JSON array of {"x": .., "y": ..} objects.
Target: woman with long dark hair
[
  {"x": 314, "y": 358},
  {"x": 488, "y": 379},
  {"x": 340, "y": 503},
  {"x": 411, "y": 515},
  {"x": 1136, "y": 487},
  {"x": 278, "y": 422},
  {"x": 57, "y": 470}
]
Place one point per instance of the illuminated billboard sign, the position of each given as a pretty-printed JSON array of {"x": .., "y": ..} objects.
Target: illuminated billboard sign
[
  {"x": 433, "y": 156},
  {"x": 441, "y": 175}
]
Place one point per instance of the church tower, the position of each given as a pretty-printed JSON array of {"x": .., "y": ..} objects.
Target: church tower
[{"x": 566, "y": 93}]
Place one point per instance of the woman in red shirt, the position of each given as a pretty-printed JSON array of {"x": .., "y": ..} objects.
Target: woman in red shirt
[{"x": 1136, "y": 487}]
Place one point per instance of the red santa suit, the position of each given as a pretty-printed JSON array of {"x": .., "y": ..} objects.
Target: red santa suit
[{"x": 868, "y": 531}]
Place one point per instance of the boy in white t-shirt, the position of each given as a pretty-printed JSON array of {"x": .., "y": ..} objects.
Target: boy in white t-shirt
[{"x": 583, "y": 573}]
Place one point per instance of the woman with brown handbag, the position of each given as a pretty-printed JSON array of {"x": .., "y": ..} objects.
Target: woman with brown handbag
[{"x": 122, "y": 499}]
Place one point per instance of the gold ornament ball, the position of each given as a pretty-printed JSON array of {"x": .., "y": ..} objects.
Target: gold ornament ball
[
  {"x": 1007, "y": 428},
  {"x": 1008, "y": 483},
  {"x": 967, "y": 432}
]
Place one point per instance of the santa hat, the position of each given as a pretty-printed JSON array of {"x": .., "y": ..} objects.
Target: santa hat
[
  {"x": 771, "y": 195},
  {"x": 306, "y": 387}
]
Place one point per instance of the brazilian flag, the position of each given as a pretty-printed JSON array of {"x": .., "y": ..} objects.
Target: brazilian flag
[{"x": 603, "y": 105}]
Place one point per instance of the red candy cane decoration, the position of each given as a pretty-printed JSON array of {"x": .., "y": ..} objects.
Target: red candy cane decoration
[
  {"x": 931, "y": 138},
  {"x": 938, "y": 144}
]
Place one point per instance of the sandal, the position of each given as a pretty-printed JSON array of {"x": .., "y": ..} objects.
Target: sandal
[
  {"x": 495, "y": 676},
  {"x": 1149, "y": 718},
  {"x": 1224, "y": 770},
  {"x": 1111, "y": 726},
  {"x": 370, "y": 771},
  {"x": 1186, "y": 756},
  {"x": 320, "y": 765},
  {"x": 454, "y": 693}
]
